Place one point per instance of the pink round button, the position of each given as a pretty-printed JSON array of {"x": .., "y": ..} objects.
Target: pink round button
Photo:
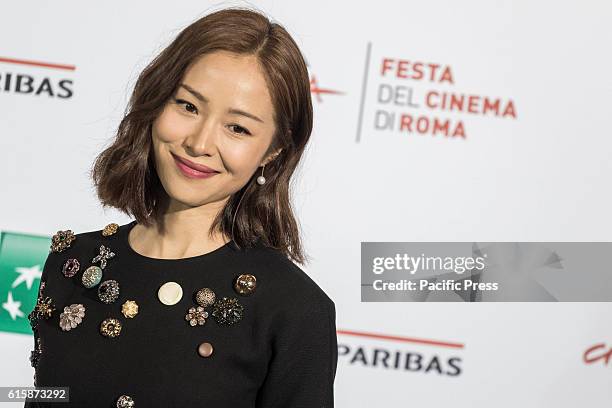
[{"x": 205, "y": 349}]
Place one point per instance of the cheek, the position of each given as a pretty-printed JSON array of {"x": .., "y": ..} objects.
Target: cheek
[
  {"x": 169, "y": 127},
  {"x": 167, "y": 130},
  {"x": 241, "y": 158}
]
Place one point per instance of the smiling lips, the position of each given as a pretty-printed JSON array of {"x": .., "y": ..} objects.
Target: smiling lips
[{"x": 193, "y": 170}]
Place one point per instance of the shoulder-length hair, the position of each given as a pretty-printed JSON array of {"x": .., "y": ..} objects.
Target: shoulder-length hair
[{"x": 124, "y": 174}]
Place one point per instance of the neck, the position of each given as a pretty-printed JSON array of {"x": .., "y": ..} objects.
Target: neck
[{"x": 181, "y": 233}]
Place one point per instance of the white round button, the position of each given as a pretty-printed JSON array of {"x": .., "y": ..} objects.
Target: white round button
[{"x": 170, "y": 293}]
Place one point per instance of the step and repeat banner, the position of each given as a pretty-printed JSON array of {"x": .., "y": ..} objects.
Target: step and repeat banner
[{"x": 454, "y": 199}]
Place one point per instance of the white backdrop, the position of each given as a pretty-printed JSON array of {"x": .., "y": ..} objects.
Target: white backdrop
[{"x": 543, "y": 175}]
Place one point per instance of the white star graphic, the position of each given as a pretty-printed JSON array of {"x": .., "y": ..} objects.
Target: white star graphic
[
  {"x": 27, "y": 275},
  {"x": 12, "y": 306}
]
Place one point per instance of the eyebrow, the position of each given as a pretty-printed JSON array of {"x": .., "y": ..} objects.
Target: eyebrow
[{"x": 233, "y": 111}]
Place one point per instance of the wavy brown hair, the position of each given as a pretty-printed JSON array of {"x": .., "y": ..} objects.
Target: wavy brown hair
[{"x": 124, "y": 173}]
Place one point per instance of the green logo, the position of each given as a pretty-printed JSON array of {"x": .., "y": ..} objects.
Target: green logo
[{"x": 22, "y": 259}]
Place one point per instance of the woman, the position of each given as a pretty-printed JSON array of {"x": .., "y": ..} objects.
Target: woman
[{"x": 197, "y": 301}]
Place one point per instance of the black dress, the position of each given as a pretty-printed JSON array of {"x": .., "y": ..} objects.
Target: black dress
[{"x": 273, "y": 346}]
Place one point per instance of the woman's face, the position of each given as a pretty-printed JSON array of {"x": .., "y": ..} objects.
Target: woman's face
[{"x": 221, "y": 116}]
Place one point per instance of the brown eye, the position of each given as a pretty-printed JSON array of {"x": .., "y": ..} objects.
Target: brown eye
[
  {"x": 188, "y": 105},
  {"x": 240, "y": 129}
]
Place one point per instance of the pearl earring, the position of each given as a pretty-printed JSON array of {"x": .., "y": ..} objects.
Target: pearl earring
[{"x": 261, "y": 179}]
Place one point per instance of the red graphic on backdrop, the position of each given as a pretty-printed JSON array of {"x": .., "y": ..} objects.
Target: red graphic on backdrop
[
  {"x": 317, "y": 91},
  {"x": 598, "y": 352},
  {"x": 32, "y": 63}
]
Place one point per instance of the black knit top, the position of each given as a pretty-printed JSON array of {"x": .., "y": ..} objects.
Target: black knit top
[{"x": 272, "y": 346}]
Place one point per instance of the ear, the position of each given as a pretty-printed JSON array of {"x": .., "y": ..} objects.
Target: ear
[{"x": 271, "y": 156}]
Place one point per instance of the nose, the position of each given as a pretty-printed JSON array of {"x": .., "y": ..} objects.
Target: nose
[{"x": 201, "y": 141}]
